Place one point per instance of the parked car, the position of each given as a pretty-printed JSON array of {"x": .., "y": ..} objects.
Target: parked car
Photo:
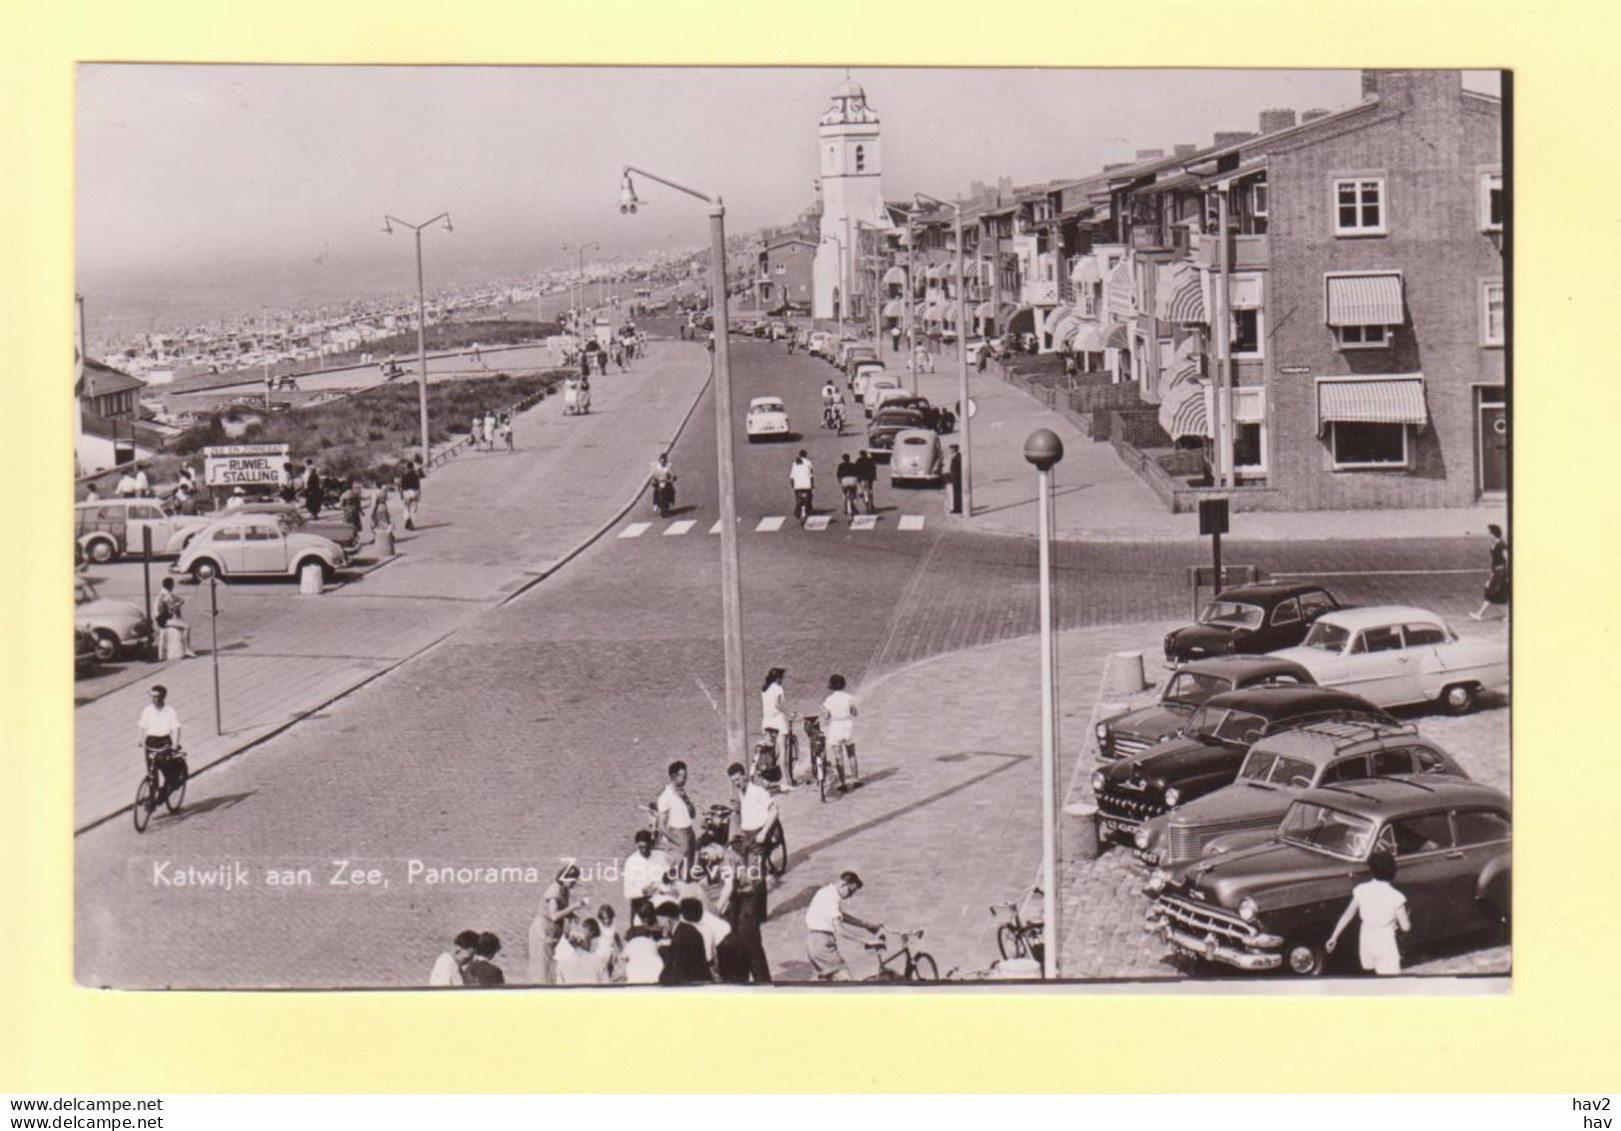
[
  {"x": 778, "y": 331},
  {"x": 939, "y": 419},
  {"x": 767, "y": 419},
  {"x": 863, "y": 372},
  {"x": 1251, "y": 619},
  {"x": 915, "y": 458},
  {"x": 84, "y": 650},
  {"x": 1273, "y": 905},
  {"x": 108, "y": 528},
  {"x": 818, "y": 343},
  {"x": 1206, "y": 754},
  {"x": 297, "y": 517},
  {"x": 1276, "y": 771},
  {"x": 875, "y": 386},
  {"x": 257, "y": 545},
  {"x": 1393, "y": 655},
  {"x": 886, "y": 426},
  {"x": 120, "y": 628},
  {"x": 858, "y": 353},
  {"x": 1189, "y": 685}
]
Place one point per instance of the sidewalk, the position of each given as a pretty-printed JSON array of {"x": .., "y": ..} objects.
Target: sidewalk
[
  {"x": 571, "y": 477},
  {"x": 1098, "y": 498}
]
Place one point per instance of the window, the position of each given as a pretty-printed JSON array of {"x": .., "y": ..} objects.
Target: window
[
  {"x": 1363, "y": 337},
  {"x": 861, "y": 159},
  {"x": 1424, "y": 634},
  {"x": 1431, "y": 832},
  {"x": 1368, "y": 445},
  {"x": 1427, "y": 761},
  {"x": 1386, "y": 639},
  {"x": 1351, "y": 769},
  {"x": 1359, "y": 206},
  {"x": 1244, "y": 299},
  {"x": 1287, "y": 613},
  {"x": 1491, "y": 202},
  {"x": 1388, "y": 762},
  {"x": 1481, "y": 826},
  {"x": 1491, "y": 312},
  {"x": 1249, "y": 430},
  {"x": 1316, "y": 603}
]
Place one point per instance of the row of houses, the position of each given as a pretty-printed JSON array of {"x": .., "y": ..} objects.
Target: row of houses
[{"x": 1310, "y": 316}]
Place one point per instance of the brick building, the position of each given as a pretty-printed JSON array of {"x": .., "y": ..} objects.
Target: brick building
[{"x": 787, "y": 272}]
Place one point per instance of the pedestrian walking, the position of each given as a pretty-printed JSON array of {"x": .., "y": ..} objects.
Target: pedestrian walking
[
  {"x": 839, "y": 710},
  {"x": 483, "y": 971},
  {"x": 894, "y": 339},
  {"x": 351, "y": 503},
  {"x": 449, "y": 969},
  {"x": 314, "y": 489},
  {"x": 954, "y": 480},
  {"x": 411, "y": 491},
  {"x": 143, "y": 486},
  {"x": 477, "y": 355},
  {"x": 170, "y": 620},
  {"x": 773, "y": 716},
  {"x": 475, "y": 431},
  {"x": 925, "y": 359},
  {"x": 602, "y": 363},
  {"x": 287, "y": 482},
  {"x": 984, "y": 357},
  {"x": 546, "y": 930},
  {"x": 506, "y": 430},
  {"x": 1497, "y": 584},
  {"x": 489, "y": 431},
  {"x": 676, "y": 817},
  {"x": 1383, "y": 910},
  {"x": 382, "y": 517}
]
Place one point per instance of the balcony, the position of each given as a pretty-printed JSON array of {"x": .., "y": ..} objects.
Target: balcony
[{"x": 1039, "y": 292}]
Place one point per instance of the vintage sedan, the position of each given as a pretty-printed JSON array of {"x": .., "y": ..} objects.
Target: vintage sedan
[
  {"x": 915, "y": 458},
  {"x": 257, "y": 545},
  {"x": 877, "y": 385},
  {"x": 333, "y": 526},
  {"x": 941, "y": 420},
  {"x": 818, "y": 342},
  {"x": 1251, "y": 619},
  {"x": 1394, "y": 655},
  {"x": 1207, "y": 753},
  {"x": 121, "y": 628},
  {"x": 767, "y": 419},
  {"x": 1276, "y": 771},
  {"x": 1273, "y": 905},
  {"x": 886, "y": 426},
  {"x": 1189, "y": 685}
]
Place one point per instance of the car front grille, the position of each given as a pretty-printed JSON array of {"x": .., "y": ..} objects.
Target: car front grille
[
  {"x": 1129, "y": 805},
  {"x": 1203, "y": 919},
  {"x": 1127, "y": 745}
]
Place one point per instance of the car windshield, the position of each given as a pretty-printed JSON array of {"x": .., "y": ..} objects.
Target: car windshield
[
  {"x": 1193, "y": 688},
  {"x": 1327, "y": 830},
  {"x": 1225, "y": 725},
  {"x": 1232, "y": 614},
  {"x": 1326, "y": 636},
  {"x": 902, "y": 419},
  {"x": 769, "y": 406},
  {"x": 1265, "y": 766}
]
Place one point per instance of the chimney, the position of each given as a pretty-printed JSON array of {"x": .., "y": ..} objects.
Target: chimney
[
  {"x": 1274, "y": 120},
  {"x": 1185, "y": 150},
  {"x": 1313, "y": 115},
  {"x": 1149, "y": 154},
  {"x": 1231, "y": 137},
  {"x": 1400, "y": 87}
]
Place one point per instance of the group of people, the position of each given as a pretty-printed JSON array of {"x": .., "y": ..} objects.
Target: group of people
[
  {"x": 314, "y": 489},
  {"x": 469, "y": 962},
  {"x": 488, "y": 427}
]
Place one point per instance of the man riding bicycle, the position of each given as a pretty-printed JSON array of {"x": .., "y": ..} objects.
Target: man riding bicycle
[
  {"x": 160, "y": 740},
  {"x": 866, "y": 476},
  {"x": 802, "y": 477},
  {"x": 849, "y": 483},
  {"x": 662, "y": 480},
  {"x": 832, "y": 406}
]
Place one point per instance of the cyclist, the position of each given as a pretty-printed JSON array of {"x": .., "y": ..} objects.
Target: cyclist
[
  {"x": 839, "y": 709},
  {"x": 866, "y": 476},
  {"x": 662, "y": 480},
  {"x": 832, "y": 406},
  {"x": 849, "y": 482},
  {"x": 803, "y": 478},
  {"x": 823, "y": 919},
  {"x": 160, "y": 740}
]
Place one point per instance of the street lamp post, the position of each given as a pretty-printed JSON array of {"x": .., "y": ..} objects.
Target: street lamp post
[
  {"x": 844, "y": 297},
  {"x": 579, "y": 274},
  {"x": 731, "y": 575},
  {"x": 1044, "y": 449},
  {"x": 911, "y": 338},
  {"x": 422, "y": 322},
  {"x": 963, "y": 413}
]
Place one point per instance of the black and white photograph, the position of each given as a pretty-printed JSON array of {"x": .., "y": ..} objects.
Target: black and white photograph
[{"x": 644, "y": 527}]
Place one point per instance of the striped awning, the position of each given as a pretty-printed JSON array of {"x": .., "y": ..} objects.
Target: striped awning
[
  {"x": 895, "y": 308},
  {"x": 895, "y": 277},
  {"x": 1365, "y": 300},
  {"x": 1121, "y": 293},
  {"x": 1183, "y": 374},
  {"x": 1065, "y": 327},
  {"x": 1089, "y": 338},
  {"x": 1085, "y": 273},
  {"x": 1189, "y": 347},
  {"x": 1183, "y": 412},
  {"x": 1372, "y": 400},
  {"x": 1058, "y": 313},
  {"x": 948, "y": 313},
  {"x": 1181, "y": 298},
  {"x": 919, "y": 309},
  {"x": 1118, "y": 337}
]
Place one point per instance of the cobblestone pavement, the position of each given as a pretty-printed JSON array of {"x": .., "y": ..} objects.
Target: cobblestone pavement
[{"x": 531, "y": 732}]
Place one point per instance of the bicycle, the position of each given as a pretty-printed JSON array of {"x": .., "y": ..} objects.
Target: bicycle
[
  {"x": 845, "y": 762},
  {"x": 849, "y": 487},
  {"x": 1019, "y": 937},
  {"x": 170, "y": 792},
  {"x": 865, "y": 495},
  {"x": 818, "y": 756},
  {"x": 802, "y": 504},
  {"x": 919, "y": 965}
]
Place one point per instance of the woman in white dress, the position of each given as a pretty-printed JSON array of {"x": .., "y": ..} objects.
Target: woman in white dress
[
  {"x": 1382, "y": 910},
  {"x": 773, "y": 712}
]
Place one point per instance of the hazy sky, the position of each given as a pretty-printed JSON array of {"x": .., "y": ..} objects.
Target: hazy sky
[{"x": 211, "y": 170}]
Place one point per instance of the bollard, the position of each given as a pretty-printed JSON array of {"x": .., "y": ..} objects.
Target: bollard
[
  {"x": 1123, "y": 674},
  {"x": 1085, "y": 839},
  {"x": 385, "y": 543},
  {"x": 310, "y": 582}
]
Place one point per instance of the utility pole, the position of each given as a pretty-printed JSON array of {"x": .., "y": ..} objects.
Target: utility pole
[{"x": 422, "y": 318}]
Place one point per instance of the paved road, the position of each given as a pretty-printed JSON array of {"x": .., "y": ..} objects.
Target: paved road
[{"x": 529, "y": 734}]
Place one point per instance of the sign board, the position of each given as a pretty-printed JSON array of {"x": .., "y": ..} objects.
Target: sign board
[
  {"x": 1295, "y": 369},
  {"x": 1212, "y": 516},
  {"x": 243, "y": 465}
]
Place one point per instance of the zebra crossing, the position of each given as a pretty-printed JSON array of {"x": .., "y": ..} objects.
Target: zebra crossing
[{"x": 777, "y": 523}]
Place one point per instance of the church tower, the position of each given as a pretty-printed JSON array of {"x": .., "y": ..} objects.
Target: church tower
[{"x": 852, "y": 192}]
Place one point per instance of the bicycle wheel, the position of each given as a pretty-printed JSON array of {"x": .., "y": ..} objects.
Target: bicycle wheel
[
  {"x": 776, "y": 853},
  {"x": 1010, "y": 941},
  {"x": 143, "y": 804},
  {"x": 790, "y": 754},
  {"x": 178, "y": 776},
  {"x": 922, "y": 968}
]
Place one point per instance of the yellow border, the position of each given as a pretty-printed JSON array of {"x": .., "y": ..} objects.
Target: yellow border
[{"x": 1548, "y": 1035}]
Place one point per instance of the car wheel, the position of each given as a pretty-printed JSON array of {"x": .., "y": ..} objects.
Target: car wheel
[
  {"x": 102, "y": 550},
  {"x": 106, "y": 645},
  {"x": 1304, "y": 959},
  {"x": 1460, "y": 698},
  {"x": 204, "y": 569}
]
